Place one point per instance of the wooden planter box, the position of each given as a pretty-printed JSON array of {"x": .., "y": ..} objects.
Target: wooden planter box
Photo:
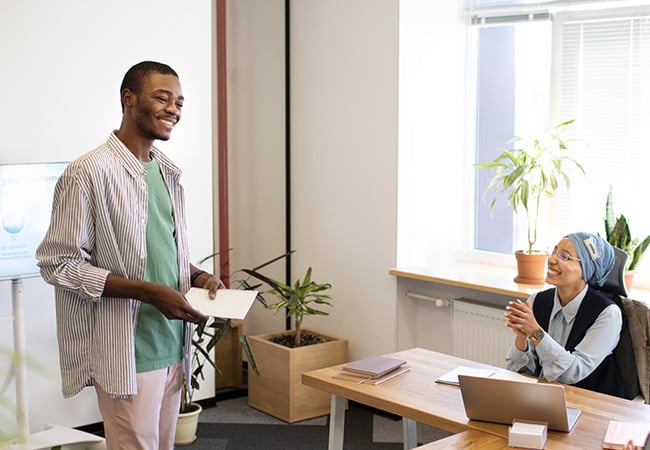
[
  {"x": 278, "y": 389},
  {"x": 228, "y": 354}
]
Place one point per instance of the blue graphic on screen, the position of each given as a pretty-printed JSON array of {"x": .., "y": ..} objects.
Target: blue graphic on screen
[
  {"x": 13, "y": 222},
  {"x": 26, "y": 192}
]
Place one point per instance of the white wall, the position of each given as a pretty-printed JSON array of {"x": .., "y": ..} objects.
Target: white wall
[
  {"x": 62, "y": 65},
  {"x": 431, "y": 124},
  {"x": 256, "y": 143},
  {"x": 344, "y": 67},
  {"x": 344, "y": 156}
]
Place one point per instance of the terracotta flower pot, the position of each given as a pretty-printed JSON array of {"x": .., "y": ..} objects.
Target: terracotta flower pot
[
  {"x": 531, "y": 268},
  {"x": 628, "y": 276}
]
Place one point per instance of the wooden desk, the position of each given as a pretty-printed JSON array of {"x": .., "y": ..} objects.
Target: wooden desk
[
  {"x": 416, "y": 397},
  {"x": 470, "y": 439}
]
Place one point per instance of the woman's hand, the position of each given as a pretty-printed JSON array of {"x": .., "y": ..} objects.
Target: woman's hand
[{"x": 520, "y": 318}]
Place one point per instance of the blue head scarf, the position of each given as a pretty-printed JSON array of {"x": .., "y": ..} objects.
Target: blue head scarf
[{"x": 596, "y": 256}]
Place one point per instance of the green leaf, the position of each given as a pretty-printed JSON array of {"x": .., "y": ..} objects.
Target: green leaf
[
  {"x": 525, "y": 174},
  {"x": 249, "y": 353}
]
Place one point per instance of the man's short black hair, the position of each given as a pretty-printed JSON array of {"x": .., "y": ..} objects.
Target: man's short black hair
[{"x": 136, "y": 75}]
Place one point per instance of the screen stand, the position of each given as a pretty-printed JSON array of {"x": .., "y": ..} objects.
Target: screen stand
[
  {"x": 20, "y": 368},
  {"x": 54, "y": 435}
]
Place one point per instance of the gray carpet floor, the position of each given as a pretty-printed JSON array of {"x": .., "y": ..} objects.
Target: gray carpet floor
[{"x": 233, "y": 425}]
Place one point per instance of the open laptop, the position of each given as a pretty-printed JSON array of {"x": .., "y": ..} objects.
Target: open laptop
[{"x": 501, "y": 401}]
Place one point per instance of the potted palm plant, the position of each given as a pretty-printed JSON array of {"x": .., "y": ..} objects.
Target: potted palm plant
[
  {"x": 276, "y": 388},
  {"x": 204, "y": 339},
  {"x": 527, "y": 174},
  {"x": 617, "y": 233},
  {"x": 8, "y": 409}
]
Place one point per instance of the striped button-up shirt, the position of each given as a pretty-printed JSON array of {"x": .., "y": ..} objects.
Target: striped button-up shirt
[{"x": 98, "y": 226}]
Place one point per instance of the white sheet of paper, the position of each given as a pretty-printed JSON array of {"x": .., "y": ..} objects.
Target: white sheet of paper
[
  {"x": 229, "y": 304},
  {"x": 503, "y": 374},
  {"x": 451, "y": 377}
]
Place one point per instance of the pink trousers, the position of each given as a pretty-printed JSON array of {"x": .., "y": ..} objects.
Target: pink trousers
[{"x": 147, "y": 420}]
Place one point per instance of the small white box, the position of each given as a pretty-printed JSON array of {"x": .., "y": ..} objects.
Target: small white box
[{"x": 526, "y": 434}]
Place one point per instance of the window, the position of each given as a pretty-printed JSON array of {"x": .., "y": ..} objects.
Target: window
[
  {"x": 512, "y": 99},
  {"x": 604, "y": 82},
  {"x": 591, "y": 66}
]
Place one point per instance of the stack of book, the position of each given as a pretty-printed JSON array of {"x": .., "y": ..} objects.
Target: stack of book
[
  {"x": 619, "y": 433},
  {"x": 373, "y": 369}
]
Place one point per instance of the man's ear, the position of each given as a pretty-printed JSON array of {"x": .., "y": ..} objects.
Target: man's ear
[{"x": 128, "y": 97}]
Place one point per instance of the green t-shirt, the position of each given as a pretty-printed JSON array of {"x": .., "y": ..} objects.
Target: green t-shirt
[{"x": 158, "y": 340}]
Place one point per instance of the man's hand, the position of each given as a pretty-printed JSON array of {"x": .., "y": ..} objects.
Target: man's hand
[
  {"x": 207, "y": 281},
  {"x": 168, "y": 301},
  {"x": 172, "y": 304}
]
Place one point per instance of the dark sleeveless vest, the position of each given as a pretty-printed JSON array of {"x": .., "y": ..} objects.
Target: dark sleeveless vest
[{"x": 605, "y": 378}]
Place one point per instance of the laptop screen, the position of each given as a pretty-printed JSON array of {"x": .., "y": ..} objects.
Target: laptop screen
[{"x": 502, "y": 401}]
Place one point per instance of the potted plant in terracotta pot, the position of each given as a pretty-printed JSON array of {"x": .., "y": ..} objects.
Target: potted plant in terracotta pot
[
  {"x": 617, "y": 233},
  {"x": 527, "y": 174},
  {"x": 282, "y": 357}
]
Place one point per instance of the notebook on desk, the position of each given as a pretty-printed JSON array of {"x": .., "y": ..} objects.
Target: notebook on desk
[{"x": 501, "y": 401}]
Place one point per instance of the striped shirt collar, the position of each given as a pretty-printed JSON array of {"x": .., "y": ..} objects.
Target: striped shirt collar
[{"x": 132, "y": 164}]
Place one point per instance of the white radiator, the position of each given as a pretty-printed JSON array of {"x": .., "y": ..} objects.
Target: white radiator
[{"x": 479, "y": 333}]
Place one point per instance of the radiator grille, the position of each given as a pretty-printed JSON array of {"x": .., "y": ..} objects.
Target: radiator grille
[{"x": 479, "y": 333}]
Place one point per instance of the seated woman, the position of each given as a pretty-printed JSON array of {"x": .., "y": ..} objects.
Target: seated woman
[{"x": 567, "y": 333}]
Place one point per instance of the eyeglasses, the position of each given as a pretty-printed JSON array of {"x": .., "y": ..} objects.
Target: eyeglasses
[{"x": 562, "y": 255}]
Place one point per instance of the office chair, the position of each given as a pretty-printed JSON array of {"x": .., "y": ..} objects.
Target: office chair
[
  {"x": 615, "y": 289},
  {"x": 615, "y": 283}
]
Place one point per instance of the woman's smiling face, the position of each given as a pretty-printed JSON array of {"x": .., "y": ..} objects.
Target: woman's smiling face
[{"x": 564, "y": 273}]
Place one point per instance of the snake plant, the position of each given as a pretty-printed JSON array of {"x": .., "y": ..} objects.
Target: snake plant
[{"x": 617, "y": 233}]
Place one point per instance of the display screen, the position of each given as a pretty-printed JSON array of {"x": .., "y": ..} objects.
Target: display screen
[{"x": 26, "y": 192}]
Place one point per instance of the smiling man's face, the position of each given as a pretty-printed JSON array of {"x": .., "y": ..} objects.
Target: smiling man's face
[{"x": 158, "y": 106}]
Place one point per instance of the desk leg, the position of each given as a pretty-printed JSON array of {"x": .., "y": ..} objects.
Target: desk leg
[
  {"x": 337, "y": 423},
  {"x": 410, "y": 431}
]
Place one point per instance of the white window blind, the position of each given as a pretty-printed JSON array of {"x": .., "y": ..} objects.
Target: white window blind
[
  {"x": 604, "y": 83},
  {"x": 483, "y": 5}
]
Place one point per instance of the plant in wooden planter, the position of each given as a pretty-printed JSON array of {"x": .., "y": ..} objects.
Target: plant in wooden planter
[
  {"x": 527, "y": 174},
  {"x": 297, "y": 301},
  {"x": 283, "y": 357}
]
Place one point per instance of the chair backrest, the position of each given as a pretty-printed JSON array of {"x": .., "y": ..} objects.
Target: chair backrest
[
  {"x": 638, "y": 321},
  {"x": 615, "y": 283},
  {"x": 624, "y": 352}
]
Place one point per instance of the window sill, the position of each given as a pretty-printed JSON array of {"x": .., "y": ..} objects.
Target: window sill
[{"x": 485, "y": 278}]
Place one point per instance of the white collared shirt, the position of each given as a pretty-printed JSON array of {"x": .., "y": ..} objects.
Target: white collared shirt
[{"x": 558, "y": 364}]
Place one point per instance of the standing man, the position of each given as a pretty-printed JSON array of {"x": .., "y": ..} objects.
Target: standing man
[{"x": 117, "y": 253}]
